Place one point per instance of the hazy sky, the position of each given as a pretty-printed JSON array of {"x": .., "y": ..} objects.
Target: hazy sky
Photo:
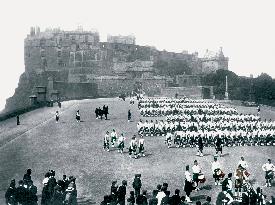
[{"x": 244, "y": 28}]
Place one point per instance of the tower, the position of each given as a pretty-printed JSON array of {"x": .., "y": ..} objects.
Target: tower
[{"x": 226, "y": 89}]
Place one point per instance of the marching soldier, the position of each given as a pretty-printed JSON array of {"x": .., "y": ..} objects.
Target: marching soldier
[
  {"x": 106, "y": 145},
  {"x": 121, "y": 140},
  {"x": 113, "y": 137},
  {"x": 133, "y": 147},
  {"x": 141, "y": 146}
]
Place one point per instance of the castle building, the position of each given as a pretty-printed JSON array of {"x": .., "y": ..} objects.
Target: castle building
[{"x": 76, "y": 64}]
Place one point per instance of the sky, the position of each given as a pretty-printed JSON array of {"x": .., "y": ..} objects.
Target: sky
[{"x": 244, "y": 28}]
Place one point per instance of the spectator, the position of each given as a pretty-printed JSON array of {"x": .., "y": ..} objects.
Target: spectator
[
  {"x": 131, "y": 200},
  {"x": 11, "y": 193},
  {"x": 208, "y": 201},
  {"x": 154, "y": 200},
  {"x": 175, "y": 199},
  {"x": 21, "y": 193},
  {"x": 122, "y": 193}
]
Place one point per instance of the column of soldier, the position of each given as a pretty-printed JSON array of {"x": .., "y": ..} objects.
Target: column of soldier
[
  {"x": 136, "y": 147},
  {"x": 54, "y": 192},
  {"x": 188, "y": 120}
]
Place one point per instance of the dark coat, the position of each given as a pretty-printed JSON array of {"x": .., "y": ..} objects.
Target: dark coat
[
  {"x": 21, "y": 194},
  {"x": 11, "y": 195}
]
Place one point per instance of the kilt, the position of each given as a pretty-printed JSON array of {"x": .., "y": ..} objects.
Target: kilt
[
  {"x": 77, "y": 117},
  {"x": 188, "y": 186},
  {"x": 141, "y": 148},
  {"x": 269, "y": 175},
  {"x": 56, "y": 118},
  {"x": 196, "y": 177},
  {"x": 238, "y": 183},
  {"x": 121, "y": 145}
]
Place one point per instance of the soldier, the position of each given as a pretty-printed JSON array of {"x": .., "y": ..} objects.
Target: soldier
[
  {"x": 188, "y": 185},
  {"x": 113, "y": 137},
  {"x": 129, "y": 115},
  {"x": 133, "y": 147},
  {"x": 137, "y": 184},
  {"x": 141, "y": 146},
  {"x": 106, "y": 145},
  {"x": 56, "y": 116},
  {"x": 196, "y": 172},
  {"x": 121, "y": 140},
  {"x": 269, "y": 169},
  {"x": 217, "y": 171},
  {"x": 168, "y": 139},
  {"x": 219, "y": 146},
  {"x": 77, "y": 116},
  {"x": 200, "y": 147}
]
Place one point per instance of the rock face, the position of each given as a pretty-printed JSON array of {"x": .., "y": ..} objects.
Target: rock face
[{"x": 76, "y": 64}]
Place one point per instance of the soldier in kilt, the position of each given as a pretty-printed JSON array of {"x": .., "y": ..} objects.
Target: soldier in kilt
[
  {"x": 133, "y": 147},
  {"x": 188, "y": 185},
  {"x": 141, "y": 146},
  {"x": 106, "y": 145},
  {"x": 269, "y": 169},
  {"x": 113, "y": 137},
  {"x": 121, "y": 140},
  {"x": 77, "y": 116}
]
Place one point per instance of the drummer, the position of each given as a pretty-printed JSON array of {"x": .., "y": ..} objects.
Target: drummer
[
  {"x": 217, "y": 171},
  {"x": 196, "y": 172}
]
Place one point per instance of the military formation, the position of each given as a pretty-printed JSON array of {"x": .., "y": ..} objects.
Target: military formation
[{"x": 182, "y": 123}]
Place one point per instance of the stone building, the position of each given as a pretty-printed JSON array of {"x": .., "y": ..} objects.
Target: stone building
[{"x": 76, "y": 64}]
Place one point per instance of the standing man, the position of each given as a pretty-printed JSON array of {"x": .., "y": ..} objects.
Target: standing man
[
  {"x": 188, "y": 185},
  {"x": 243, "y": 166},
  {"x": 113, "y": 137},
  {"x": 217, "y": 171},
  {"x": 200, "y": 147},
  {"x": 120, "y": 141},
  {"x": 106, "y": 145},
  {"x": 196, "y": 172},
  {"x": 122, "y": 193},
  {"x": 218, "y": 146},
  {"x": 56, "y": 116},
  {"x": 137, "y": 184},
  {"x": 77, "y": 116},
  {"x": 133, "y": 147},
  {"x": 17, "y": 120},
  {"x": 129, "y": 115},
  {"x": 269, "y": 168},
  {"x": 141, "y": 146}
]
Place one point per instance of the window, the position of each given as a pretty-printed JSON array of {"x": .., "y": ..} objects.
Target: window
[{"x": 59, "y": 53}]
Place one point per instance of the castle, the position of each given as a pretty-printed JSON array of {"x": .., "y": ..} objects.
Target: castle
[{"x": 76, "y": 64}]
